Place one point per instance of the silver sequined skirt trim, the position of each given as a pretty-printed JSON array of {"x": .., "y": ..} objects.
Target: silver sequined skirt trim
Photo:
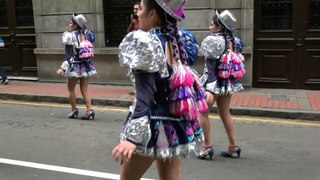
[
  {"x": 180, "y": 151},
  {"x": 217, "y": 90}
]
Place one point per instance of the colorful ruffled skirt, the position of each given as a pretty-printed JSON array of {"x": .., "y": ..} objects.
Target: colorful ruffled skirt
[
  {"x": 227, "y": 74},
  {"x": 168, "y": 136},
  {"x": 81, "y": 69},
  {"x": 221, "y": 86}
]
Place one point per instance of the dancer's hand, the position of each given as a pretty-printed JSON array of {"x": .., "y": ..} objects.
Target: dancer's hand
[{"x": 123, "y": 151}]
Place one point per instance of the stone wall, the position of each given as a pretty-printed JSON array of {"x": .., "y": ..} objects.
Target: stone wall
[{"x": 52, "y": 18}]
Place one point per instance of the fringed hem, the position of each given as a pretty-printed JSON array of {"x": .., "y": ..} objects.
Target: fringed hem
[
  {"x": 82, "y": 75},
  {"x": 180, "y": 151},
  {"x": 230, "y": 89}
]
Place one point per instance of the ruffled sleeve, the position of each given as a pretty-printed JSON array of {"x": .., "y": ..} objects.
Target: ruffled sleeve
[
  {"x": 137, "y": 130},
  {"x": 141, "y": 50},
  {"x": 67, "y": 38},
  {"x": 213, "y": 46}
]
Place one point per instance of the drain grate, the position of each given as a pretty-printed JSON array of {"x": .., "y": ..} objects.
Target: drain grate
[{"x": 279, "y": 97}]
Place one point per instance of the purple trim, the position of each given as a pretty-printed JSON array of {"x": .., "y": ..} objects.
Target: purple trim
[{"x": 175, "y": 13}]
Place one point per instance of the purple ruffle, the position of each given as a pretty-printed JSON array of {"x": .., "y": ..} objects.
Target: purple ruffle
[
  {"x": 200, "y": 95},
  {"x": 223, "y": 67},
  {"x": 183, "y": 92},
  {"x": 236, "y": 67}
]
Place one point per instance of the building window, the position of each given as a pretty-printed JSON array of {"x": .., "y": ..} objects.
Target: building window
[
  {"x": 24, "y": 13},
  {"x": 276, "y": 14},
  {"x": 3, "y": 14},
  {"x": 314, "y": 14},
  {"x": 116, "y": 20}
]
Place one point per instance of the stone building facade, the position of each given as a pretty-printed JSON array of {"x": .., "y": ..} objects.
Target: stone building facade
[
  {"x": 52, "y": 17},
  {"x": 281, "y": 37}
]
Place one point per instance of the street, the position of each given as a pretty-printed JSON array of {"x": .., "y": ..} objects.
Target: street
[{"x": 38, "y": 142}]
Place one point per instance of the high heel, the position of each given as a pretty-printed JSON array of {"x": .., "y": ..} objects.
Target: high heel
[
  {"x": 74, "y": 114},
  {"x": 5, "y": 82},
  {"x": 208, "y": 151},
  {"x": 232, "y": 150},
  {"x": 88, "y": 115}
]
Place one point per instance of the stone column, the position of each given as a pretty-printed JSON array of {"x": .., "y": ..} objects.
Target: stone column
[{"x": 247, "y": 34}]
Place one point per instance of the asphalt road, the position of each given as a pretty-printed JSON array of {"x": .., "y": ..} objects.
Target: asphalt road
[{"x": 38, "y": 142}]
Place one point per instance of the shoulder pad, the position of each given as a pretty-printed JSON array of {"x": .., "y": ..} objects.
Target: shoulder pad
[
  {"x": 67, "y": 38},
  {"x": 141, "y": 50},
  {"x": 213, "y": 46}
]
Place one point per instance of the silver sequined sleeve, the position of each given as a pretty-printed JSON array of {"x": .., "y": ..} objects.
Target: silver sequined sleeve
[
  {"x": 65, "y": 65},
  {"x": 137, "y": 131},
  {"x": 140, "y": 50},
  {"x": 70, "y": 38},
  {"x": 67, "y": 38},
  {"x": 213, "y": 46}
]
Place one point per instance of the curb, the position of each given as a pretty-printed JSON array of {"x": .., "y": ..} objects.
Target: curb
[
  {"x": 261, "y": 112},
  {"x": 273, "y": 113},
  {"x": 64, "y": 100}
]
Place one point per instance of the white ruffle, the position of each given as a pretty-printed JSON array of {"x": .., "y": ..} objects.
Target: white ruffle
[
  {"x": 213, "y": 46},
  {"x": 70, "y": 38},
  {"x": 67, "y": 38},
  {"x": 214, "y": 88},
  {"x": 141, "y": 50}
]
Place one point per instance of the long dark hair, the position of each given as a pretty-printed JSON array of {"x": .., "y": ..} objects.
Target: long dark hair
[
  {"x": 227, "y": 33},
  {"x": 170, "y": 24}
]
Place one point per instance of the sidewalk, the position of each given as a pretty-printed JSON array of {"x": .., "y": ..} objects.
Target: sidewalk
[{"x": 280, "y": 103}]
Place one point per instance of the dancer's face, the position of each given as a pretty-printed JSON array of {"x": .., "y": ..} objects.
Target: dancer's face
[
  {"x": 136, "y": 9},
  {"x": 214, "y": 28},
  {"x": 72, "y": 26},
  {"x": 147, "y": 18}
]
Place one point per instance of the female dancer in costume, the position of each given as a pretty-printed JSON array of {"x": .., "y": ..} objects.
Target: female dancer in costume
[
  {"x": 223, "y": 69},
  {"x": 77, "y": 65},
  {"x": 161, "y": 127}
]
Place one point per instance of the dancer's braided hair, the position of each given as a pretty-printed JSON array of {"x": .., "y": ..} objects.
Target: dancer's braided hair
[
  {"x": 170, "y": 24},
  {"x": 175, "y": 39},
  {"x": 227, "y": 33}
]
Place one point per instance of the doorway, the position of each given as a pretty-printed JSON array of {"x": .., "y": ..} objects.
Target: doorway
[
  {"x": 287, "y": 44},
  {"x": 17, "y": 30}
]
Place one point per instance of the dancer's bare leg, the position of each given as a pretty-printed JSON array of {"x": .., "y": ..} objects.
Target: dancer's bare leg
[
  {"x": 84, "y": 91},
  {"x": 135, "y": 168},
  {"x": 204, "y": 120},
  {"x": 72, "y": 82},
  {"x": 223, "y": 104},
  {"x": 169, "y": 169}
]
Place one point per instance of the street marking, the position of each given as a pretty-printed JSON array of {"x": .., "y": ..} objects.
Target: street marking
[
  {"x": 236, "y": 118},
  {"x": 293, "y": 122},
  {"x": 62, "y": 169},
  {"x": 62, "y": 105}
]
